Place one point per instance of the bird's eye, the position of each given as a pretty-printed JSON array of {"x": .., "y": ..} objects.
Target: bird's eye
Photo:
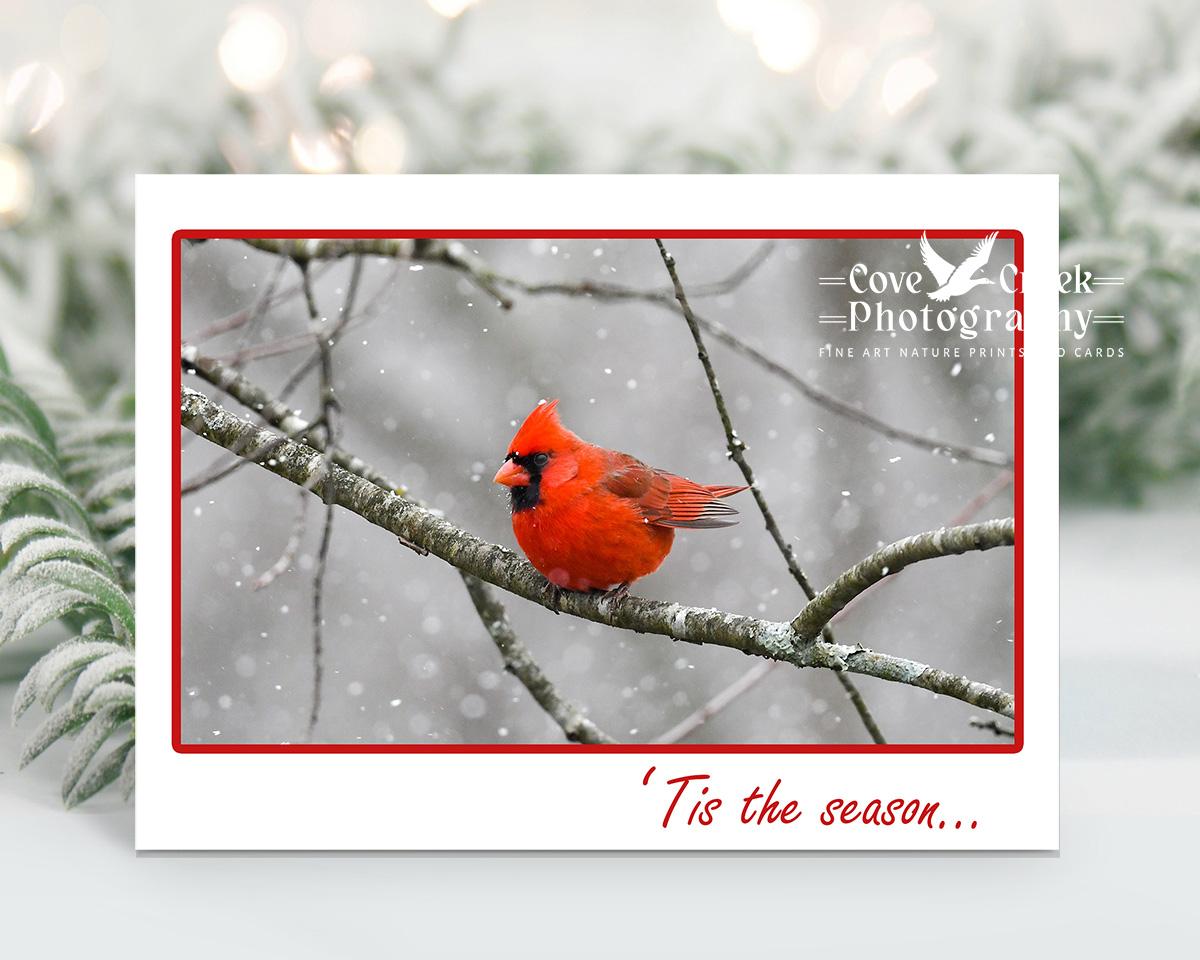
[{"x": 542, "y": 459}]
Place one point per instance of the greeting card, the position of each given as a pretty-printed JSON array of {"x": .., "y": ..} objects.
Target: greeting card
[{"x": 598, "y": 513}]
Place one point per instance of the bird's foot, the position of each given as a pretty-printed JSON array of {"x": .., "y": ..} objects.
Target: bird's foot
[{"x": 619, "y": 592}]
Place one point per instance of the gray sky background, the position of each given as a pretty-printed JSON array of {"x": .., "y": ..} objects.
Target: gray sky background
[{"x": 431, "y": 382}]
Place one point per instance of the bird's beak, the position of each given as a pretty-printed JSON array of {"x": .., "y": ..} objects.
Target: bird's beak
[{"x": 511, "y": 474}]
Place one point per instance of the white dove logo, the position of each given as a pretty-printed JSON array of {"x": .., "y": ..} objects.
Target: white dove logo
[{"x": 955, "y": 281}]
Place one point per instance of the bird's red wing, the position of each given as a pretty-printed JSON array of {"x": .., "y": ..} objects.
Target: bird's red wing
[{"x": 667, "y": 500}]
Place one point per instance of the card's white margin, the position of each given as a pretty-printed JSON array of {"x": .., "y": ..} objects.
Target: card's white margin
[{"x": 584, "y": 802}]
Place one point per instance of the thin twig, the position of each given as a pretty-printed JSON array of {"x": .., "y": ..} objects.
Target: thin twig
[
  {"x": 992, "y": 489},
  {"x": 450, "y": 253},
  {"x": 520, "y": 663},
  {"x": 998, "y": 729},
  {"x": 240, "y": 318},
  {"x": 943, "y": 542},
  {"x": 339, "y": 328},
  {"x": 330, "y": 409},
  {"x": 860, "y": 704},
  {"x": 737, "y": 451},
  {"x": 278, "y": 414},
  {"x": 299, "y": 463},
  {"x": 719, "y": 702},
  {"x": 270, "y": 408},
  {"x": 454, "y": 255},
  {"x": 290, "y": 549},
  {"x": 742, "y": 685}
]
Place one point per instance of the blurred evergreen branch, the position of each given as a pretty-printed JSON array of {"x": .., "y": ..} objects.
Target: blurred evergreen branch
[{"x": 66, "y": 556}]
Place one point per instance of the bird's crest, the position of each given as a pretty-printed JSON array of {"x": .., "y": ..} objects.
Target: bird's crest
[{"x": 542, "y": 431}]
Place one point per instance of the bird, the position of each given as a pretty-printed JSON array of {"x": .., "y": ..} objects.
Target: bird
[
  {"x": 955, "y": 281},
  {"x": 595, "y": 520}
]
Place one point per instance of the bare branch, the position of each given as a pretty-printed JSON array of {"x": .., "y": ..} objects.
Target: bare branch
[
  {"x": 330, "y": 409},
  {"x": 450, "y": 253},
  {"x": 749, "y": 680},
  {"x": 290, "y": 549},
  {"x": 943, "y": 542},
  {"x": 520, "y": 663},
  {"x": 239, "y": 318},
  {"x": 737, "y": 451},
  {"x": 734, "y": 443},
  {"x": 300, "y": 464},
  {"x": 453, "y": 254},
  {"x": 998, "y": 729},
  {"x": 860, "y": 706},
  {"x": 273, "y": 411},
  {"x": 277, "y": 414},
  {"x": 719, "y": 702}
]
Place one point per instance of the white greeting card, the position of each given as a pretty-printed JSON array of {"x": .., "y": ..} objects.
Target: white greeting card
[{"x": 662, "y": 513}]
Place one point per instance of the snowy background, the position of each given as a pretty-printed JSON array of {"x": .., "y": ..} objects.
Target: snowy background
[{"x": 434, "y": 378}]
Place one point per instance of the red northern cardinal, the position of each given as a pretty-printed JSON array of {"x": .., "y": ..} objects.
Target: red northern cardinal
[{"x": 595, "y": 519}]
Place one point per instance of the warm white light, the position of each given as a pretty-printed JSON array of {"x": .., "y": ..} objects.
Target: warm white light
[
  {"x": 253, "y": 49},
  {"x": 316, "y": 152},
  {"x": 84, "y": 38},
  {"x": 352, "y": 70},
  {"x": 906, "y": 80},
  {"x": 839, "y": 71},
  {"x": 36, "y": 91},
  {"x": 739, "y": 15},
  {"x": 785, "y": 33},
  {"x": 450, "y": 8},
  {"x": 379, "y": 146},
  {"x": 16, "y": 185}
]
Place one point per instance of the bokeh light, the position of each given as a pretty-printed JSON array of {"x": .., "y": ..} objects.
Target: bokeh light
[
  {"x": 380, "y": 145},
  {"x": 450, "y": 8},
  {"x": 16, "y": 185},
  {"x": 346, "y": 72},
  {"x": 254, "y": 49},
  {"x": 840, "y": 69},
  {"x": 906, "y": 80},
  {"x": 34, "y": 94},
  {"x": 785, "y": 32},
  {"x": 316, "y": 152}
]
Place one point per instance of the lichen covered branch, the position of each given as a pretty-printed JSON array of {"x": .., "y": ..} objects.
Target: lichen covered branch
[
  {"x": 300, "y": 464},
  {"x": 943, "y": 542},
  {"x": 520, "y": 663}
]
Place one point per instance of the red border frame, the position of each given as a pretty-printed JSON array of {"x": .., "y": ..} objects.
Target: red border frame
[{"x": 487, "y": 748}]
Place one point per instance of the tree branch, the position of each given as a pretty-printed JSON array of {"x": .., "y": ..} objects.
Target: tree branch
[
  {"x": 330, "y": 409},
  {"x": 943, "y": 542},
  {"x": 277, "y": 414},
  {"x": 300, "y": 464},
  {"x": 290, "y": 548},
  {"x": 450, "y": 253},
  {"x": 737, "y": 452},
  {"x": 520, "y": 663},
  {"x": 719, "y": 702},
  {"x": 453, "y": 255},
  {"x": 992, "y": 725},
  {"x": 273, "y": 411}
]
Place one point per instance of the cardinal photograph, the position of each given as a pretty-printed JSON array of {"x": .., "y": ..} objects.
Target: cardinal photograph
[{"x": 585, "y": 491}]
